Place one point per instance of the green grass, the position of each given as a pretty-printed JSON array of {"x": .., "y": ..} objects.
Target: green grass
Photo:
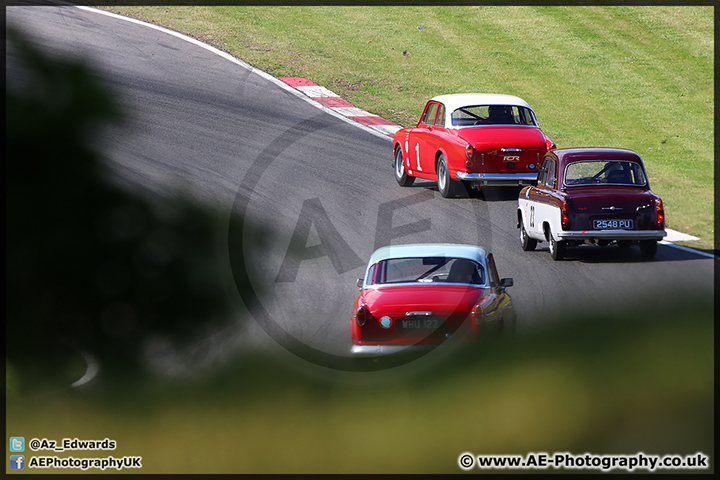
[
  {"x": 633, "y": 77},
  {"x": 642, "y": 383}
]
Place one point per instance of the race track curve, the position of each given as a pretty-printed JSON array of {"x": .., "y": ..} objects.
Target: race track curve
[{"x": 241, "y": 141}]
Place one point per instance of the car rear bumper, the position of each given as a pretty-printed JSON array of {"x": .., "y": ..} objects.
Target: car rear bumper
[
  {"x": 499, "y": 179},
  {"x": 387, "y": 349},
  {"x": 613, "y": 235}
]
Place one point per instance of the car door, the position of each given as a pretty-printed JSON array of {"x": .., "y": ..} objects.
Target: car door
[
  {"x": 422, "y": 137},
  {"x": 540, "y": 204},
  {"x": 436, "y": 140}
]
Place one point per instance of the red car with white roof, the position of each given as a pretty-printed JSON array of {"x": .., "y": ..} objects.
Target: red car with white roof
[
  {"x": 424, "y": 294},
  {"x": 469, "y": 140}
]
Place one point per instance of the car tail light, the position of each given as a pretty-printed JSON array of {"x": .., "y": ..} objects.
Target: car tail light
[
  {"x": 469, "y": 150},
  {"x": 361, "y": 316},
  {"x": 477, "y": 314},
  {"x": 549, "y": 143},
  {"x": 660, "y": 214},
  {"x": 565, "y": 216}
]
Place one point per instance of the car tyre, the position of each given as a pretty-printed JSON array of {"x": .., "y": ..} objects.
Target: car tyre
[
  {"x": 648, "y": 248},
  {"x": 403, "y": 179},
  {"x": 557, "y": 247},
  {"x": 448, "y": 187},
  {"x": 528, "y": 244}
]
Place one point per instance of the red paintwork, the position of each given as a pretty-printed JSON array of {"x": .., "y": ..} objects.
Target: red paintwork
[
  {"x": 487, "y": 141},
  {"x": 454, "y": 303}
]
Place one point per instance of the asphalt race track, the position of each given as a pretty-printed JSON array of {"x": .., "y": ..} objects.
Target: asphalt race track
[{"x": 238, "y": 140}]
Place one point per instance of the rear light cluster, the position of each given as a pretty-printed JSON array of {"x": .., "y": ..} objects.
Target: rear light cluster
[
  {"x": 469, "y": 150},
  {"x": 660, "y": 214},
  {"x": 361, "y": 316},
  {"x": 565, "y": 216},
  {"x": 550, "y": 145}
]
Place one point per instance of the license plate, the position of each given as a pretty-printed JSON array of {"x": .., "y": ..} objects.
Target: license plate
[
  {"x": 625, "y": 224},
  {"x": 418, "y": 323}
]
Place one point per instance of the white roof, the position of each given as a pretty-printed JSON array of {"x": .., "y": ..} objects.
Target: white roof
[
  {"x": 420, "y": 250},
  {"x": 456, "y": 100}
]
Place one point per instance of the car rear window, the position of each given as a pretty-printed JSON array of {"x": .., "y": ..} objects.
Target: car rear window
[
  {"x": 604, "y": 172},
  {"x": 493, "y": 115},
  {"x": 426, "y": 270}
]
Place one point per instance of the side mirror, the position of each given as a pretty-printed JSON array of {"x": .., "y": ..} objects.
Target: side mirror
[
  {"x": 359, "y": 282},
  {"x": 506, "y": 282}
]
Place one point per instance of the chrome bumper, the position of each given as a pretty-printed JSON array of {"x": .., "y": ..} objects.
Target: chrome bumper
[
  {"x": 499, "y": 179},
  {"x": 375, "y": 350},
  {"x": 613, "y": 235}
]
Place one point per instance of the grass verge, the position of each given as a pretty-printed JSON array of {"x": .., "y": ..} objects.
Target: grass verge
[{"x": 634, "y": 77}]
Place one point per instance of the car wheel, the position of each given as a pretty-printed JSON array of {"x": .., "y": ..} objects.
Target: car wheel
[
  {"x": 648, "y": 248},
  {"x": 528, "y": 244},
  {"x": 403, "y": 179},
  {"x": 557, "y": 247},
  {"x": 447, "y": 186}
]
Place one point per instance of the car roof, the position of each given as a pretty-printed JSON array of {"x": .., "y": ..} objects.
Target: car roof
[
  {"x": 567, "y": 155},
  {"x": 456, "y": 100},
  {"x": 451, "y": 250}
]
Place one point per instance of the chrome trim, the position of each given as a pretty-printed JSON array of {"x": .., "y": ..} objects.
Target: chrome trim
[
  {"x": 510, "y": 150},
  {"x": 616, "y": 234},
  {"x": 375, "y": 350},
  {"x": 429, "y": 284},
  {"x": 498, "y": 178},
  {"x": 419, "y": 313}
]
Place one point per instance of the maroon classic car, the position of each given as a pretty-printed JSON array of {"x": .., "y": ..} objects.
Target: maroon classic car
[
  {"x": 468, "y": 140},
  {"x": 424, "y": 294},
  {"x": 591, "y": 196}
]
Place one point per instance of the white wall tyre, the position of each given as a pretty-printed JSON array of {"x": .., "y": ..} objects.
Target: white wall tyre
[
  {"x": 528, "y": 244},
  {"x": 557, "y": 247},
  {"x": 448, "y": 187},
  {"x": 403, "y": 179}
]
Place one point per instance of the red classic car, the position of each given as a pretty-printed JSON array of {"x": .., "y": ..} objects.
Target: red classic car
[
  {"x": 591, "y": 196},
  {"x": 470, "y": 140},
  {"x": 423, "y": 294}
]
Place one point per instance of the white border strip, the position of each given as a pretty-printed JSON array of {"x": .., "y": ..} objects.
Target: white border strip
[
  {"x": 295, "y": 91},
  {"x": 688, "y": 249},
  {"x": 240, "y": 63}
]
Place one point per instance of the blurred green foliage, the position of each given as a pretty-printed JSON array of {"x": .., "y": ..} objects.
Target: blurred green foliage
[
  {"x": 643, "y": 382},
  {"x": 92, "y": 268}
]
